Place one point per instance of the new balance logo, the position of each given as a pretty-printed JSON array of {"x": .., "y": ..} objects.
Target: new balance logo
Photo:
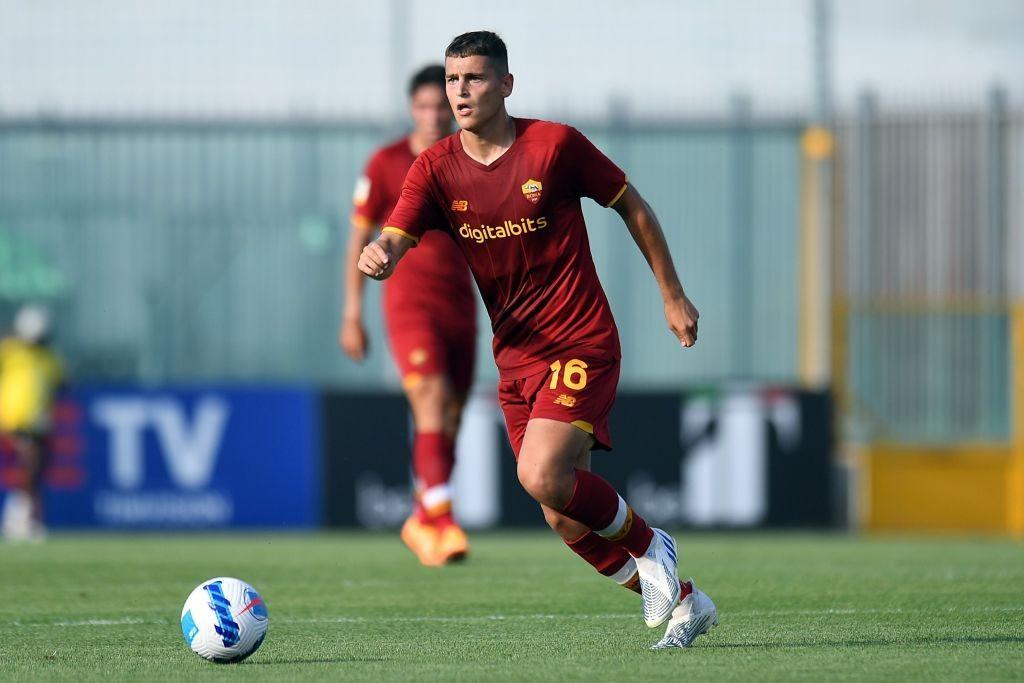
[
  {"x": 460, "y": 205},
  {"x": 565, "y": 400}
]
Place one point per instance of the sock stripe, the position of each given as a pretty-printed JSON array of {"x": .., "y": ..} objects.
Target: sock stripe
[
  {"x": 626, "y": 526},
  {"x": 621, "y": 516},
  {"x": 436, "y": 496},
  {"x": 625, "y": 573}
]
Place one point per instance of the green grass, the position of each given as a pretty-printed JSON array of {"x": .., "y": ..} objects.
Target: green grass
[{"x": 357, "y": 606}]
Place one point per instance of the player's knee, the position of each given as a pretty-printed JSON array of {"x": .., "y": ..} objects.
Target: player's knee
[
  {"x": 545, "y": 484},
  {"x": 428, "y": 397},
  {"x": 453, "y": 416}
]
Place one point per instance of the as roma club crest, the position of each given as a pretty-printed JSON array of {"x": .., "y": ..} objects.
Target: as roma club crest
[{"x": 532, "y": 189}]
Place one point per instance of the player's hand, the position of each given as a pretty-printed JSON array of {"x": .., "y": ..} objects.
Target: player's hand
[
  {"x": 352, "y": 338},
  {"x": 682, "y": 316},
  {"x": 375, "y": 261}
]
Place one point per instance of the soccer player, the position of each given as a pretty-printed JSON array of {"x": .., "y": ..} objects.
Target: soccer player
[
  {"x": 30, "y": 374},
  {"x": 430, "y": 317},
  {"x": 508, "y": 191}
]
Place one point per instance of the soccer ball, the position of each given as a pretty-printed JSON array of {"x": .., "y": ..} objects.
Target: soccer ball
[{"x": 224, "y": 620}]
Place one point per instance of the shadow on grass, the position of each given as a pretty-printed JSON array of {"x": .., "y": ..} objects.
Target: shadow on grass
[{"x": 950, "y": 640}]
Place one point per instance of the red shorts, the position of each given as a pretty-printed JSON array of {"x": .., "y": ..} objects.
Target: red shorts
[
  {"x": 422, "y": 348},
  {"x": 579, "y": 391}
]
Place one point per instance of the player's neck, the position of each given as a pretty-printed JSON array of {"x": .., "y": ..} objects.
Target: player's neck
[{"x": 492, "y": 140}]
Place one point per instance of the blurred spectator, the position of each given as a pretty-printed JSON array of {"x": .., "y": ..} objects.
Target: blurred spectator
[{"x": 30, "y": 374}]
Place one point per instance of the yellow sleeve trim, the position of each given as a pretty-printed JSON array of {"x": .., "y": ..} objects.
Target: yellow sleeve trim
[
  {"x": 403, "y": 233},
  {"x": 617, "y": 197},
  {"x": 361, "y": 221},
  {"x": 582, "y": 424}
]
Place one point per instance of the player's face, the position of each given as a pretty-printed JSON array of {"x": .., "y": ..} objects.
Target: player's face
[
  {"x": 431, "y": 115},
  {"x": 476, "y": 90}
]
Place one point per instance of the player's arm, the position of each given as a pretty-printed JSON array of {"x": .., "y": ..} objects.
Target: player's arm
[
  {"x": 380, "y": 257},
  {"x": 352, "y": 336},
  {"x": 643, "y": 225},
  {"x": 402, "y": 231}
]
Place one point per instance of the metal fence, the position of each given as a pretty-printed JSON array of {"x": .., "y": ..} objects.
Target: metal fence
[
  {"x": 179, "y": 251},
  {"x": 930, "y": 227}
]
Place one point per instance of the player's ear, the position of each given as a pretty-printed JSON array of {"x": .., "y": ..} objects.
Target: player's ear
[{"x": 507, "y": 81}]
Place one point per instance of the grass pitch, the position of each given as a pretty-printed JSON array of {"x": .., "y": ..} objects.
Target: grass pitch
[{"x": 357, "y": 606}]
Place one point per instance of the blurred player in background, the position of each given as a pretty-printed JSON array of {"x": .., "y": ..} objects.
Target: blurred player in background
[
  {"x": 430, "y": 317},
  {"x": 30, "y": 375},
  {"x": 508, "y": 190}
]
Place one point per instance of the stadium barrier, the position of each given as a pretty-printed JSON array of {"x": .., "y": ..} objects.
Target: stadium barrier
[
  {"x": 735, "y": 456},
  {"x": 184, "y": 458},
  {"x": 209, "y": 457}
]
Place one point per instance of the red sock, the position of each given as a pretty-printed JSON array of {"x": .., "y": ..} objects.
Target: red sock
[
  {"x": 433, "y": 457},
  {"x": 417, "y": 506},
  {"x": 595, "y": 503},
  {"x": 604, "y": 556}
]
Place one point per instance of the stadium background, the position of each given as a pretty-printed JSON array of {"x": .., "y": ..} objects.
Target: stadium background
[{"x": 840, "y": 184}]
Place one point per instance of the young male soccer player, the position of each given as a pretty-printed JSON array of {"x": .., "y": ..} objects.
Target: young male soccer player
[
  {"x": 430, "y": 316},
  {"x": 508, "y": 190}
]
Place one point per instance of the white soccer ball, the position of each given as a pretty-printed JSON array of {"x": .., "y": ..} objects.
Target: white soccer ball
[{"x": 224, "y": 620}]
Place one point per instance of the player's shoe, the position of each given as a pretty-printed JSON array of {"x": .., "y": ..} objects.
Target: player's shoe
[
  {"x": 659, "y": 584},
  {"x": 452, "y": 544},
  {"x": 695, "y": 615},
  {"x": 422, "y": 541},
  {"x": 17, "y": 517}
]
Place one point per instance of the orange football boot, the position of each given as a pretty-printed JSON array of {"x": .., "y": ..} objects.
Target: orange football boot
[
  {"x": 452, "y": 544},
  {"x": 422, "y": 539}
]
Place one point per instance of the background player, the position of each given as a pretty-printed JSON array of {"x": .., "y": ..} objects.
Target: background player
[
  {"x": 30, "y": 375},
  {"x": 430, "y": 317},
  {"x": 509, "y": 191}
]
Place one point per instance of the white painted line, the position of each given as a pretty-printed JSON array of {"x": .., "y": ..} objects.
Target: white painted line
[{"x": 741, "y": 614}]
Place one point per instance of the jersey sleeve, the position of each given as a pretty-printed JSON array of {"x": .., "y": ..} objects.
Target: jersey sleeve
[
  {"x": 416, "y": 211},
  {"x": 369, "y": 203},
  {"x": 591, "y": 173}
]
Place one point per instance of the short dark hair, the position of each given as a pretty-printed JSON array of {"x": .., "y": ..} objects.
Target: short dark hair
[
  {"x": 432, "y": 74},
  {"x": 480, "y": 43}
]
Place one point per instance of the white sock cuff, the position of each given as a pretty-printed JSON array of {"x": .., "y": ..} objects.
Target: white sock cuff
[
  {"x": 616, "y": 526},
  {"x": 625, "y": 573},
  {"x": 436, "y": 495}
]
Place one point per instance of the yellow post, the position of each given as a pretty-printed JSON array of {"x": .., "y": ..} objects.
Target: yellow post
[
  {"x": 817, "y": 146},
  {"x": 1015, "y": 473}
]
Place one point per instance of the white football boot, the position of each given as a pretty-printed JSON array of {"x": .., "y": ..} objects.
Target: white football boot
[
  {"x": 659, "y": 584},
  {"x": 695, "y": 616}
]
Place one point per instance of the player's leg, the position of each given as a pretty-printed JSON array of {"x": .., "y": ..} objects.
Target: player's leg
[
  {"x": 23, "y": 511},
  {"x": 547, "y": 470},
  {"x": 607, "y": 558},
  {"x": 433, "y": 456},
  {"x": 432, "y": 462},
  {"x": 452, "y": 543}
]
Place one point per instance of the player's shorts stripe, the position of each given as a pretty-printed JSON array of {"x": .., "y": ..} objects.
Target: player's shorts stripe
[
  {"x": 617, "y": 196},
  {"x": 403, "y": 233},
  {"x": 584, "y": 425},
  {"x": 361, "y": 221}
]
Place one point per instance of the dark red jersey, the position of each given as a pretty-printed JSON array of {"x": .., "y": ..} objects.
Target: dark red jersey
[
  {"x": 520, "y": 224},
  {"x": 434, "y": 284}
]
